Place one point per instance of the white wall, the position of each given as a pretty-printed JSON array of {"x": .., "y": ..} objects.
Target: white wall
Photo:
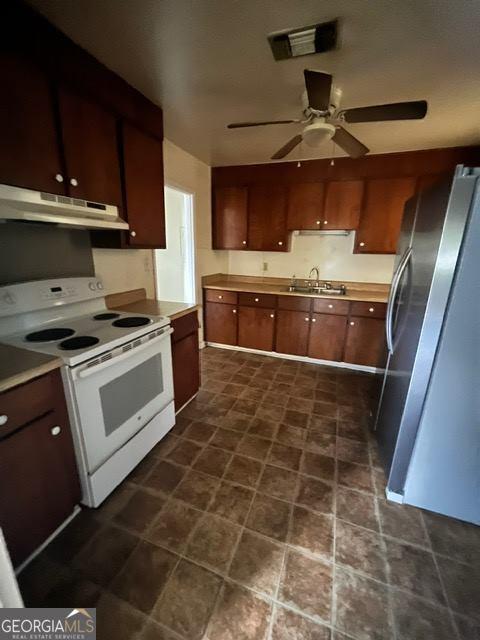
[
  {"x": 332, "y": 254},
  {"x": 125, "y": 269}
]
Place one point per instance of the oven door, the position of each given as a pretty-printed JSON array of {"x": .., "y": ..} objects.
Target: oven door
[{"x": 116, "y": 398}]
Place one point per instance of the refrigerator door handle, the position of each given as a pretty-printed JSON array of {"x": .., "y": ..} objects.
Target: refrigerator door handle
[{"x": 397, "y": 277}]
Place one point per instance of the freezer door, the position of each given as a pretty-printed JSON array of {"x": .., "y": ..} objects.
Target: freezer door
[{"x": 419, "y": 311}]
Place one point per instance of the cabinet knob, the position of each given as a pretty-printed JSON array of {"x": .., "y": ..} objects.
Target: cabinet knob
[
  {"x": 3, "y": 420},
  {"x": 58, "y": 177},
  {"x": 55, "y": 431},
  {"x": 244, "y": 242},
  {"x": 220, "y": 297},
  {"x": 318, "y": 221},
  {"x": 330, "y": 306},
  {"x": 362, "y": 244},
  {"x": 280, "y": 243},
  {"x": 325, "y": 222},
  {"x": 371, "y": 309},
  {"x": 133, "y": 233},
  {"x": 314, "y": 319},
  {"x": 272, "y": 315},
  {"x": 74, "y": 182},
  {"x": 256, "y": 299},
  {"x": 352, "y": 324},
  {"x": 307, "y": 319},
  {"x": 234, "y": 311}
]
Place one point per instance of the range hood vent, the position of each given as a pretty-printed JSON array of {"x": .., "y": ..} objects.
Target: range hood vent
[
  {"x": 38, "y": 206},
  {"x": 323, "y": 232}
]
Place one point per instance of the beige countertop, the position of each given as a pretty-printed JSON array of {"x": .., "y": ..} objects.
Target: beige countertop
[
  {"x": 20, "y": 365},
  {"x": 357, "y": 291},
  {"x": 152, "y": 307}
]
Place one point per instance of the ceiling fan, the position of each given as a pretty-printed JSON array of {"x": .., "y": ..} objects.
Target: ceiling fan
[{"x": 323, "y": 119}]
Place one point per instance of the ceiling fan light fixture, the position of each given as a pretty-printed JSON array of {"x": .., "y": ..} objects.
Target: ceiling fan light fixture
[{"x": 315, "y": 134}]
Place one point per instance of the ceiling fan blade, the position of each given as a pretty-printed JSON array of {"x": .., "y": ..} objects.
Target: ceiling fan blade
[
  {"x": 318, "y": 87},
  {"x": 285, "y": 150},
  {"x": 349, "y": 143},
  {"x": 241, "y": 125},
  {"x": 395, "y": 111}
]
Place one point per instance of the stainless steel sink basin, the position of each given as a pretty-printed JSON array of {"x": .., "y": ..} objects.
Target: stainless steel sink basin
[{"x": 324, "y": 289}]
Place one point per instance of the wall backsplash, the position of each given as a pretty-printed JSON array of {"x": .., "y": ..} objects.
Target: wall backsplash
[
  {"x": 124, "y": 269},
  {"x": 332, "y": 254}
]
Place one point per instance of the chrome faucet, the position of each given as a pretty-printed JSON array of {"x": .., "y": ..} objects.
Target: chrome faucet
[{"x": 316, "y": 271}]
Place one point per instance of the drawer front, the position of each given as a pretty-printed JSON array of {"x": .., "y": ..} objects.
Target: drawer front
[
  {"x": 28, "y": 401},
  {"x": 294, "y": 303},
  {"x": 369, "y": 309},
  {"x": 265, "y": 300},
  {"x": 216, "y": 295},
  {"x": 338, "y": 307},
  {"x": 184, "y": 326}
]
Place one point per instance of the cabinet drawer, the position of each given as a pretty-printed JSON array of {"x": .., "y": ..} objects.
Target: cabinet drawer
[
  {"x": 265, "y": 300},
  {"x": 338, "y": 307},
  {"x": 216, "y": 295},
  {"x": 28, "y": 402},
  {"x": 294, "y": 303},
  {"x": 369, "y": 309},
  {"x": 184, "y": 326}
]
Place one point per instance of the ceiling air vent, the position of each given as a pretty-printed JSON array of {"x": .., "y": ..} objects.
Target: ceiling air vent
[{"x": 305, "y": 41}]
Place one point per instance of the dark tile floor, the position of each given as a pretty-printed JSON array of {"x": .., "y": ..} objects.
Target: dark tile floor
[{"x": 262, "y": 516}]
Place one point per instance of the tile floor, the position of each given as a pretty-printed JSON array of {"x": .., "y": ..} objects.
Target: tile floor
[{"x": 262, "y": 516}]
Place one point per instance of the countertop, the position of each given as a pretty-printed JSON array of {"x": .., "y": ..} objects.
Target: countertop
[
  {"x": 357, "y": 291},
  {"x": 152, "y": 307},
  {"x": 18, "y": 366}
]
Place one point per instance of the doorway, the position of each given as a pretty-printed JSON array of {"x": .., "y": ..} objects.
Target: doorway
[{"x": 175, "y": 265}]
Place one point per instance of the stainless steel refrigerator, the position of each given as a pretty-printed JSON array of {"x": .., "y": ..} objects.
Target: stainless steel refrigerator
[{"x": 428, "y": 421}]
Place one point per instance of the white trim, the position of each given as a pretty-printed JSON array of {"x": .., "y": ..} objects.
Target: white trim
[
  {"x": 288, "y": 356},
  {"x": 10, "y": 595},
  {"x": 394, "y": 497},
  {"x": 46, "y": 542}
]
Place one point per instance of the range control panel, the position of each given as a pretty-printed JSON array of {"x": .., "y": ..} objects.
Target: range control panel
[{"x": 42, "y": 294}]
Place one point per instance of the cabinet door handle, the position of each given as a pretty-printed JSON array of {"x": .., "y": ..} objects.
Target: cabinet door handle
[
  {"x": 318, "y": 221},
  {"x": 371, "y": 309},
  {"x": 307, "y": 319},
  {"x": 3, "y": 420},
  {"x": 330, "y": 306},
  {"x": 361, "y": 244},
  {"x": 352, "y": 324},
  {"x": 133, "y": 233},
  {"x": 58, "y": 177},
  {"x": 272, "y": 315},
  {"x": 256, "y": 299},
  {"x": 325, "y": 222},
  {"x": 220, "y": 297},
  {"x": 280, "y": 243},
  {"x": 314, "y": 319},
  {"x": 234, "y": 311},
  {"x": 55, "y": 430},
  {"x": 74, "y": 182},
  {"x": 244, "y": 242}
]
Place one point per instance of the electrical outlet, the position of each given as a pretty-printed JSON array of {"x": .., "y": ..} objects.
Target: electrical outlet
[{"x": 265, "y": 266}]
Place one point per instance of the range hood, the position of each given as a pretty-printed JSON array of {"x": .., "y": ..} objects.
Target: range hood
[{"x": 38, "y": 206}]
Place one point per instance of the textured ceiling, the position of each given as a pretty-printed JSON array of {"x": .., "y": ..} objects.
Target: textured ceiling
[{"x": 208, "y": 63}]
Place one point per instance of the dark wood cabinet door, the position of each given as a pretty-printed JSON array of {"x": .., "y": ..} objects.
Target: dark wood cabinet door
[
  {"x": 256, "y": 328},
  {"x": 220, "y": 323},
  {"x": 305, "y": 206},
  {"x": 343, "y": 203},
  {"x": 144, "y": 188},
  {"x": 90, "y": 144},
  {"x": 382, "y": 214},
  {"x": 186, "y": 369},
  {"x": 327, "y": 337},
  {"x": 292, "y": 332},
  {"x": 267, "y": 218},
  {"x": 365, "y": 343},
  {"x": 39, "y": 481},
  {"x": 230, "y": 218},
  {"x": 29, "y": 142}
]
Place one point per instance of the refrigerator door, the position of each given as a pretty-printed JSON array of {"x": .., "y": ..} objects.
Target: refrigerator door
[{"x": 419, "y": 311}]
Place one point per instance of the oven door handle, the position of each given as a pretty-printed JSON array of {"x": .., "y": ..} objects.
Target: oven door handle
[{"x": 90, "y": 371}]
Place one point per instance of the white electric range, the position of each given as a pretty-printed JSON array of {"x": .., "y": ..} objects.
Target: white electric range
[{"x": 117, "y": 372}]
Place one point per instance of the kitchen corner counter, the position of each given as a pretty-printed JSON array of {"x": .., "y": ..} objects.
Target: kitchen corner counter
[
  {"x": 362, "y": 292},
  {"x": 151, "y": 307},
  {"x": 18, "y": 366}
]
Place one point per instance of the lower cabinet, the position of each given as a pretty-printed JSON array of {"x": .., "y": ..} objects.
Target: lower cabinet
[
  {"x": 220, "y": 323},
  {"x": 185, "y": 358},
  {"x": 292, "y": 332},
  {"x": 256, "y": 328},
  {"x": 365, "y": 343},
  {"x": 327, "y": 336},
  {"x": 38, "y": 473}
]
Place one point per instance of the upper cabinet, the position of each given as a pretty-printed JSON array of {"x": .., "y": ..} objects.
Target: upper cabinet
[
  {"x": 343, "y": 203},
  {"x": 382, "y": 213},
  {"x": 305, "y": 206},
  {"x": 90, "y": 145},
  {"x": 267, "y": 218},
  {"x": 230, "y": 218},
  {"x": 29, "y": 148},
  {"x": 144, "y": 198}
]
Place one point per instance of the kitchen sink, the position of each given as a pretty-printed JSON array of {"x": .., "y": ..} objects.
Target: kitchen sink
[{"x": 322, "y": 289}]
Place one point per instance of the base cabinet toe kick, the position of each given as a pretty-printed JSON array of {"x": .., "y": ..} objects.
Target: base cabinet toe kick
[{"x": 331, "y": 331}]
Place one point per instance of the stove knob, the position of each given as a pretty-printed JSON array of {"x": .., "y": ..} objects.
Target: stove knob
[
  {"x": 91, "y": 286},
  {"x": 99, "y": 285}
]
